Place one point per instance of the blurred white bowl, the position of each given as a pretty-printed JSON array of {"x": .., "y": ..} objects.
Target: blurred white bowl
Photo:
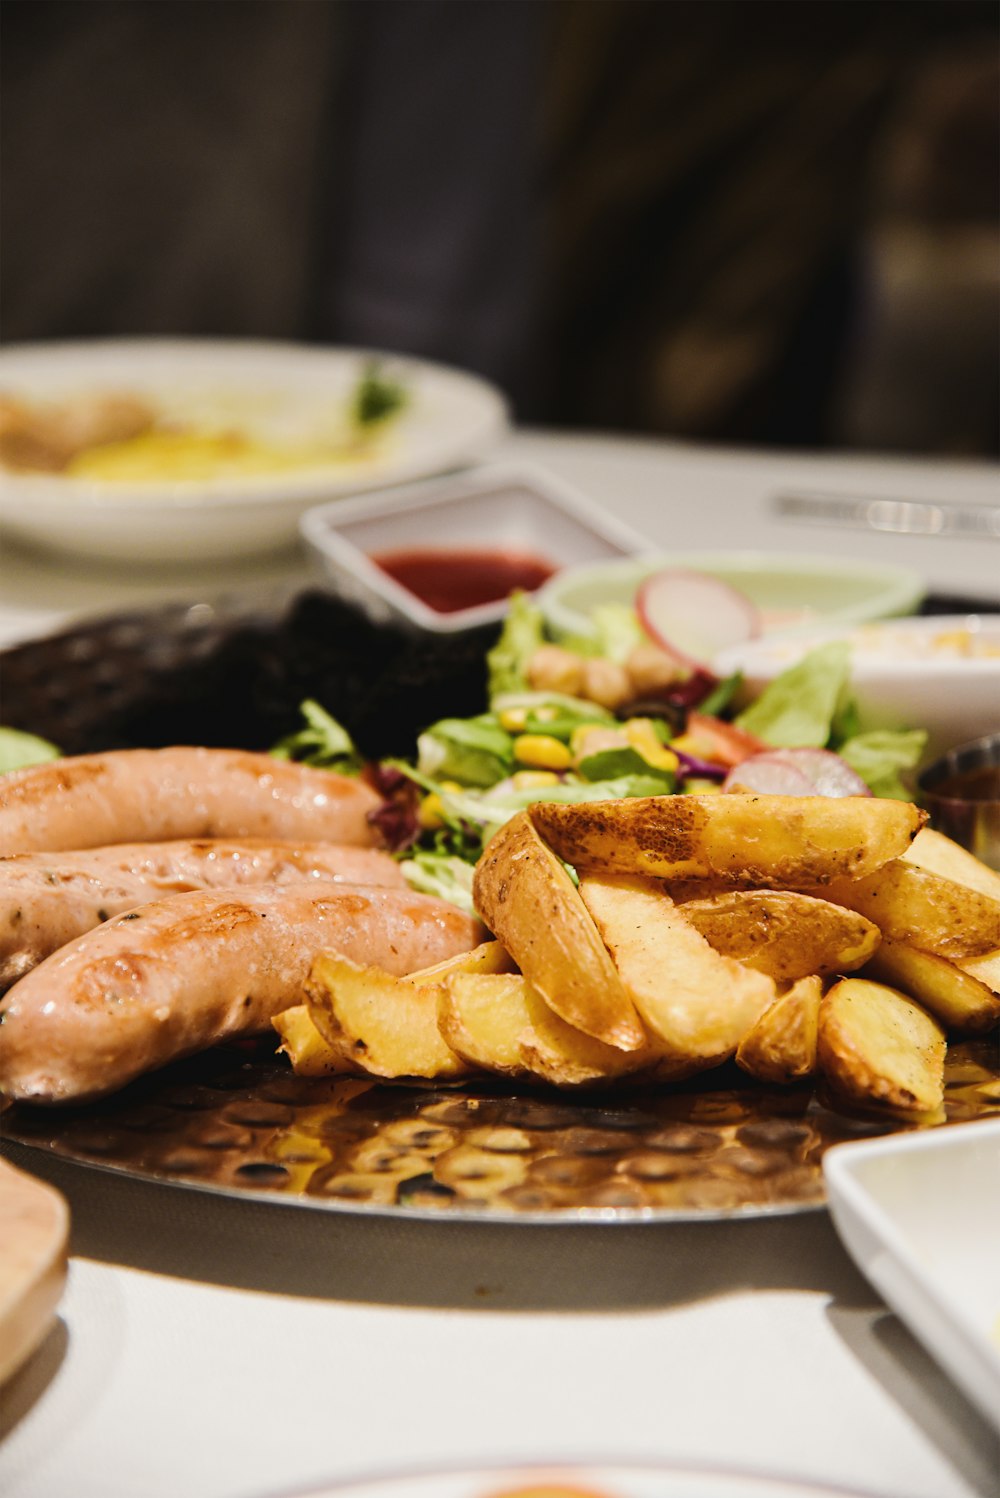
[
  {"x": 792, "y": 592},
  {"x": 937, "y": 672},
  {"x": 275, "y": 391}
]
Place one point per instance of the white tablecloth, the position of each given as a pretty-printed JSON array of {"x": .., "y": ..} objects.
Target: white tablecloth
[{"x": 222, "y": 1349}]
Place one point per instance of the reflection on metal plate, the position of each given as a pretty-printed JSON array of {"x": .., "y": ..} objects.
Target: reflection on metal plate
[{"x": 237, "y": 1120}]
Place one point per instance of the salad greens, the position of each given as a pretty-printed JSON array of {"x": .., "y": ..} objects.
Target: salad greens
[
  {"x": 19, "y": 749},
  {"x": 470, "y": 775},
  {"x": 376, "y": 397}
]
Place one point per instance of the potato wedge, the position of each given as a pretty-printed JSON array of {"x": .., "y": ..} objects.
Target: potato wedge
[
  {"x": 309, "y": 1053},
  {"x": 781, "y": 1046},
  {"x": 531, "y": 905},
  {"x": 960, "y": 1000},
  {"x": 786, "y": 935},
  {"x": 789, "y": 842},
  {"x": 876, "y": 1046},
  {"x": 386, "y": 1026},
  {"x": 500, "y": 1023},
  {"x": 698, "y": 1003},
  {"x": 938, "y": 854},
  {"x": 985, "y": 968},
  {"x": 912, "y": 905},
  {"x": 488, "y": 957}
]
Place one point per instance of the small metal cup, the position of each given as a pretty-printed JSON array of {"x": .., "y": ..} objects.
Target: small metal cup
[{"x": 961, "y": 791}]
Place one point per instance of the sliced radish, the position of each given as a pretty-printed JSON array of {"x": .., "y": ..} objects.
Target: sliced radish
[
  {"x": 796, "y": 772},
  {"x": 694, "y": 616},
  {"x": 830, "y": 775},
  {"x": 767, "y": 775}
]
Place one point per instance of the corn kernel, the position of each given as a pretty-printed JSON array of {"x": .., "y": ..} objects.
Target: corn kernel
[
  {"x": 642, "y": 736},
  {"x": 540, "y": 751},
  {"x": 430, "y": 814},
  {"x": 531, "y": 780},
  {"x": 513, "y": 719}
]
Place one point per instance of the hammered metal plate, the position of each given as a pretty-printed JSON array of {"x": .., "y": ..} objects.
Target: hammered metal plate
[{"x": 238, "y": 1121}]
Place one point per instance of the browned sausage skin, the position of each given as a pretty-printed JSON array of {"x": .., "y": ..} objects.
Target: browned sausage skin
[
  {"x": 47, "y": 899},
  {"x": 179, "y": 974},
  {"x": 147, "y": 795}
]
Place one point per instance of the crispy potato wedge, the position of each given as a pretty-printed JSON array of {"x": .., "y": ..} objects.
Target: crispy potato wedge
[
  {"x": 938, "y": 854},
  {"x": 912, "y": 905},
  {"x": 786, "y": 935},
  {"x": 790, "y": 842},
  {"x": 698, "y": 1003},
  {"x": 876, "y": 1046},
  {"x": 531, "y": 905},
  {"x": 488, "y": 957},
  {"x": 305, "y": 1047},
  {"x": 502, "y": 1024},
  {"x": 781, "y": 1046},
  {"x": 985, "y": 968},
  {"x": 385, "y": 1026},
  {"x": 959, "y": 999}
]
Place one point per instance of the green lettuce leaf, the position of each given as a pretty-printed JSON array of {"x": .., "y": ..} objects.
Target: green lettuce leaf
[
  {"x": 522, "y": 633},
  {"x": 880, "y": 757},
  {"x": 323, "y": 742},
  {"x": 473, "y": 751},
  {"x": 18, "y": 749},
  {"x": 441, "y": 874},
  {"x": 798, "y": 707}
]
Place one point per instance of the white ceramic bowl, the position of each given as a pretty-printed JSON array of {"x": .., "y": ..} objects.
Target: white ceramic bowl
[
  {"x": 273, "y": 391},
  {"x": 905, "y": 673},
  {"x": 495, "y": 507},
  {"x": 794, "y": 592}
]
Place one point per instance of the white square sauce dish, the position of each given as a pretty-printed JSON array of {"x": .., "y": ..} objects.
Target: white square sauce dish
[
  {"x": 445, "y": 554},
  {"x": 920, "y": 1215}
]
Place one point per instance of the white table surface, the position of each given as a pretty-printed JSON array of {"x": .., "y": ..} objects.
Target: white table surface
[{"x": 222, "y": 1349}]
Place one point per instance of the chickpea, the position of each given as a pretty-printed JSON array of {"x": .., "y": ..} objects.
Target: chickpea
[
  {"x": 650, "y": 669},
  {"x": 553, "y": 669},
  {"x": 606, "y": 683}
]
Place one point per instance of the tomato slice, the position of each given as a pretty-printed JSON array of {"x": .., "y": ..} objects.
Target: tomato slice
[{"x": 722, "y": 742}]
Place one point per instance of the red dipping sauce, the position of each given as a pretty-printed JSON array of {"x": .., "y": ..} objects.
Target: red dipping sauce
[{"x": 449, "y": 578}]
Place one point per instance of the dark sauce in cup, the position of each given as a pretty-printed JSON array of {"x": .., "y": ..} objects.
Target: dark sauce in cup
[{"x": 972, "y": 785}]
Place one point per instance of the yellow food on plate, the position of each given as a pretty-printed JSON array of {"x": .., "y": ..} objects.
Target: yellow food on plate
[
  {"x": 694, "y": 1000},
  {"x": 960, "y": 1000},
  {"x": 163, "y": 456},
  {"x": 923, "y": 909},
  {"x": 502, "y": 1024},
  {"x": 781, "y": 1046},
  {"x": 939, "y": 854},
  {"x": 782, "y": 933},
  {"x": 531, "y": 905},
  {"x": 377, "y": 1023},
  {"x": 875, "y": 1045},
  {"x": 693, "y": 982},
  {"x": 774, "y": 842}
]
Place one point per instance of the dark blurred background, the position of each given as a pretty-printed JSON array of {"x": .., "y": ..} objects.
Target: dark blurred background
[{"x": 763, "y": 221}]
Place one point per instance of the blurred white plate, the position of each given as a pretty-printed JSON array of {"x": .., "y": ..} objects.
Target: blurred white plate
[
  {"x": 920, "y": 1215},
  {"x": 573, "y": 1481},
  {"x": 905, "y": 673},
  {"x": 274, "y": 391}
]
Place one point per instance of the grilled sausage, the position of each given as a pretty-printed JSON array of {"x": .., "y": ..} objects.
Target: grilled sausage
[
  {"x": 145, "y": 795},
  {"x": 48, "y": 899},
  {"x": 181, "y": 973}
]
